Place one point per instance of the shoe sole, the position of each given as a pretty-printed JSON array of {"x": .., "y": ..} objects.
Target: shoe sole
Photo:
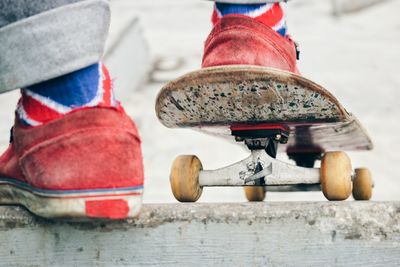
[{"x": 77, "y": 205}]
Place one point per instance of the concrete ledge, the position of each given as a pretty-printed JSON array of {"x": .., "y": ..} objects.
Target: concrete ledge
[{"x": 254, "y": 234}]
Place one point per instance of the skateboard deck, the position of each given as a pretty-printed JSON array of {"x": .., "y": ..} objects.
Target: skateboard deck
[{"x": 221, "y": 100}]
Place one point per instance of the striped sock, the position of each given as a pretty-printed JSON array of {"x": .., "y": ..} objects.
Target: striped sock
[
  {"x": 49, "y": 100},
  {"x": 271, "y": 15}
]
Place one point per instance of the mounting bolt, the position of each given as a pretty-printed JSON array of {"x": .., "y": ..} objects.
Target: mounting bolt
[{"x": 238, "y": 139}]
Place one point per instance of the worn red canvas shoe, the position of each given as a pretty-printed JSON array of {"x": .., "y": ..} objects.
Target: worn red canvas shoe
[
  {"x": 84, "y": 165},
  {"x": 241, "y": 40}
]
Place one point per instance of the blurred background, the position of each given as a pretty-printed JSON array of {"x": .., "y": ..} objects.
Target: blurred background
[{"x": 351, "y": 47}]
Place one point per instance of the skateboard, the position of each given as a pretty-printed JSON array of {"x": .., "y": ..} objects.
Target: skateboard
[{"x": 268, "y": 111}]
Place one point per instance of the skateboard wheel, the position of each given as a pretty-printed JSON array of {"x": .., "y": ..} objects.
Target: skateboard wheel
[
  {"x": 362, "y": 184},
  {"x": 336, "y": 175},
  {"x": 184, "y": 178},
  {"x": 254, "y": 193}
]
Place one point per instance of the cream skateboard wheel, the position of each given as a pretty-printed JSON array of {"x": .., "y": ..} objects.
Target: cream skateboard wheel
[
  {"x": 336, "y": 175},
  {"x": 184, "y": 178},
  {"x": 254, "y": 193},
  {"x": 362, "y": 184}
]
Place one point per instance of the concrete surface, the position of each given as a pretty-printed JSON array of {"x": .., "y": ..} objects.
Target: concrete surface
[
  {"x": 247, "y": 234},
  {"x": 127, "y": 53},
  {"x": 350, "y": 6}
]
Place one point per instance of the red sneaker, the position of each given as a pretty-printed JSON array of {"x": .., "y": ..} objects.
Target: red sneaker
[
  {"x": 85, "y": 165},
  {"x": 240, "y": 40}
]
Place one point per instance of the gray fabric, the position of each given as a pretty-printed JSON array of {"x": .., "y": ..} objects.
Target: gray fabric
[
  {"x": 14, "y": 10},
  {"x": 52, "y": 43}
]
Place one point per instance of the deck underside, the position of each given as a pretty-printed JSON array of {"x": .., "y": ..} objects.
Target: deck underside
[
  {"x": 213, "y": 99},
  {"x": 310, "y": 138}
]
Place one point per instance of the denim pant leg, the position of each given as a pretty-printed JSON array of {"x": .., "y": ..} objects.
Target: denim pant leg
[{"x": 44, "y": 39}]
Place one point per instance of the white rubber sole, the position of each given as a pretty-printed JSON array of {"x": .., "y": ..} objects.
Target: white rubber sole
[{"x": 79, "y": 205}]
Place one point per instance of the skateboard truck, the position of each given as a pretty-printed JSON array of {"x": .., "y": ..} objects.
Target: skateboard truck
[
  {"x": 272, "y": 171},
  {"x": 261, "y": 170},
  {"x": 261, "y": 167}
]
